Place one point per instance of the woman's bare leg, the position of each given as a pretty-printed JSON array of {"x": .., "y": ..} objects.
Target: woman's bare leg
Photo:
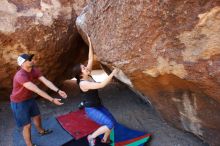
[
  {"x": 106, "y": 136},
  {"x": 99, "y": 131}
]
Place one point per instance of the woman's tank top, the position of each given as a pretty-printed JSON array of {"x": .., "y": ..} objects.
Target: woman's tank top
[{"x": 91, "y": 97}]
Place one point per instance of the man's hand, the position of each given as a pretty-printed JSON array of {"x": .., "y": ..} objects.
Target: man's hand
[
  {"x": 62, "y": 94},
  {"x": 57, "y": 101}
]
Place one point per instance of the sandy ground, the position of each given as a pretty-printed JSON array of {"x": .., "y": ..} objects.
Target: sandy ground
[{"x": 125, "y": 105}]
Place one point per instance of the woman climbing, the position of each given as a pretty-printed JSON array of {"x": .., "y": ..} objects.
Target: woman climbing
[{"x": 93, "y": 105}]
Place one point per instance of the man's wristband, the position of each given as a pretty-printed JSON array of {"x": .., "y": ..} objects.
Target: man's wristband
[{"x": 58, "y": 90}]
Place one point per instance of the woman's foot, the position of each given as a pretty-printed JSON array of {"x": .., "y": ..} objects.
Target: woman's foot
[
  {"x": 108, "y": 141},
  {"x": 91, "y": 140}
]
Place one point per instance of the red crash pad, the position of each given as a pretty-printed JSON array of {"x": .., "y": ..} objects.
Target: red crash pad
[{"x": 77, "y": 124}]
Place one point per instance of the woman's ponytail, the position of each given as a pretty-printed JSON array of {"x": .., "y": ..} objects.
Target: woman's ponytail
[{"x": 77, "y": 72}]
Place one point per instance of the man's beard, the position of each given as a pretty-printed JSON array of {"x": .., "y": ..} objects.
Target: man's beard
[{"x": 31, "y": 66}]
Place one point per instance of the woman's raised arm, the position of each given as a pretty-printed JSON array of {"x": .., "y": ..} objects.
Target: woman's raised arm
[
  {"x": 90, "y": 56},
  {"x": 86, "y": 85}
]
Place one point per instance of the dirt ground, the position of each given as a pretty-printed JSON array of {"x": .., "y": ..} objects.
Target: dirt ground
[{"x": 124, "y": 104}]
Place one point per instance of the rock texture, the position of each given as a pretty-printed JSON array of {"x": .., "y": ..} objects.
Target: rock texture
[
  {"x": 45, "y": 28},
  {"x": 79, "y": 5},
  {"x": 168, "y": 51}
]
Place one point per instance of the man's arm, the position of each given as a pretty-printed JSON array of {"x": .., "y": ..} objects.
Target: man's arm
[
  {"x": 31, "y": 86},
  {"x": 50, "y": 85}
]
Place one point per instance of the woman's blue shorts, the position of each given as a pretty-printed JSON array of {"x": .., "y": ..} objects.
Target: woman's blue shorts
[{"x": 101, "y": 116}]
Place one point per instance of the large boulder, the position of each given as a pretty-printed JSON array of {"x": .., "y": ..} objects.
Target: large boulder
[
  {"x": 168, "y": 51},
  {"x": 79, "y": 5},
  {"x": 45, "y": 28}
]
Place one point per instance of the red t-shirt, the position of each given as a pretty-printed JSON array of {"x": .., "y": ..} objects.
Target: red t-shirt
[{"x": 19, "y": 92}]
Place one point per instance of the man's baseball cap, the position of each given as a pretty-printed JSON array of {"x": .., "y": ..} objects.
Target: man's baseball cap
[{"x": 24, "y": 57}]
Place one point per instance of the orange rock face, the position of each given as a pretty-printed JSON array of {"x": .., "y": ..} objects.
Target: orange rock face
[
  {"x": 45, "y": 28},
  {"x": 168, "y": 51}
]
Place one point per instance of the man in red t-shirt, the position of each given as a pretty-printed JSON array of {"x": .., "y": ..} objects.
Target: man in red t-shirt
[{"x": 23, "y": 104}]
